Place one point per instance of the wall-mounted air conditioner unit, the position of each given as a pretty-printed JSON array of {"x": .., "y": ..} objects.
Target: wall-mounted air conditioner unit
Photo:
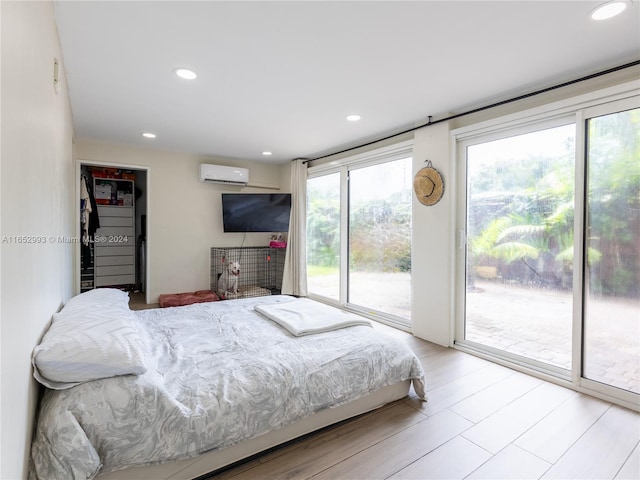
[{"x": 222, "y": 174}]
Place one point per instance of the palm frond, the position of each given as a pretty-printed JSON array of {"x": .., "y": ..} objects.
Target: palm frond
[
  {"x": 511, "y": 251},
  {"x": 565, "y": 255},
  {"x": 562, "y": 215},
  {"x": 519, "y": 232}
]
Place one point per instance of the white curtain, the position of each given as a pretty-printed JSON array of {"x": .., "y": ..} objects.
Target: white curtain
[{"x": 294, "y": 281}]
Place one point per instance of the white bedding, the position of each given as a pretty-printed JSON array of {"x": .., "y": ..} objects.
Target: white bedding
[
  {"x": 91, "y": 338},
  {"x": 217, "y": 374},
  {"x": 305, "y": 317}
]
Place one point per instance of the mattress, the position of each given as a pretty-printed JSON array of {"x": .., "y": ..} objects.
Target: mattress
[
  {"x": 219, "y": 376},
  {"x": 217, "y": 460}
]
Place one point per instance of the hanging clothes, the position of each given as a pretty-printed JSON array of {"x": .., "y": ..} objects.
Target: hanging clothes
[
  {"x": 94, "y": 219},
  {"x": 89, "y": 220},
  {"x": 85, "y": 210}
]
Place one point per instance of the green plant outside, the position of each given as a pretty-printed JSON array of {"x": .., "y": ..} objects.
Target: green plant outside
[{"x": 521, "y": 213}]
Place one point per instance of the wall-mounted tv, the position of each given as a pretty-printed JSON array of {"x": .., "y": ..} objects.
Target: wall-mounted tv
[{"x": 256, "y": 212}]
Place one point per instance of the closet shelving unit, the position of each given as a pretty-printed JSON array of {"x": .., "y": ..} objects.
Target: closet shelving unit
[{"x": 115, "y": 240}]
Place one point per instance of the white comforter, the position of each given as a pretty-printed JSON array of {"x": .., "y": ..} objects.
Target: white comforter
[{"x": 218, "y": 374}]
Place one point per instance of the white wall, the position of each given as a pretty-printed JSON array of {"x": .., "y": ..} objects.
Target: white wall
[
  {"x": 36, "y": 199},
  {"x": 184, "y": 217},
  {"x": 432, "y": 245}
]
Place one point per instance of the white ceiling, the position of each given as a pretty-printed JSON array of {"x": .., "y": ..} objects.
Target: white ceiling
[{"x": 282, "y": 76}]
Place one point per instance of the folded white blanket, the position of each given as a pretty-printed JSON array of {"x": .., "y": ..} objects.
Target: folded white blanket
[{"x": 304, "y": 316}]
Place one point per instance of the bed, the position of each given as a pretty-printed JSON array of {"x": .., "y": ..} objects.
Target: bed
[{"x": 178, "y": 392}]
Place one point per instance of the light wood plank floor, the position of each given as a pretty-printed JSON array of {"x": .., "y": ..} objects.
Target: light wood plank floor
[{"x": 482, "y": 421}]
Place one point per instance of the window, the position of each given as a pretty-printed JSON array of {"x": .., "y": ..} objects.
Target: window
[
  {"x": 359, "y": 233},
  {"x": 612, "y": 249},
  {"x": 380, "y": 237},
  {"x": 549, "y": 267},
  {"x": 323, "y": 236},
  {"x": 520, "y": 208}
]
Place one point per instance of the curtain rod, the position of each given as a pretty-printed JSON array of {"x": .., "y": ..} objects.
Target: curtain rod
[{"x": 480, "y": 109}]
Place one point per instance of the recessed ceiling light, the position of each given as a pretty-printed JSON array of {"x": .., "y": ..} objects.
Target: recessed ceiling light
[
  {"x": 353, "y": 118},
  {"x": 149, "y": 135},
  {"x": 266, "y": 154},
  {"x": 608, "y": 10},
  {"x": 185, "y": 73}
]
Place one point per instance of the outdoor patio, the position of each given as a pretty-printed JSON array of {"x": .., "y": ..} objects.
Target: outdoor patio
[
  {"x": 532, "y": 322},
  {"x": 536, "y": 323}
]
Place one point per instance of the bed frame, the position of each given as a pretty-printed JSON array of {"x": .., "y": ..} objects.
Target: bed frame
[{"x": 209, "y": 462}]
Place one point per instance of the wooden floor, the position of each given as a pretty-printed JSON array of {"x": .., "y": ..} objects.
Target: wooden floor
[
  {"x": 482, "y": 421},
  {"x": 137, "y": 302}
]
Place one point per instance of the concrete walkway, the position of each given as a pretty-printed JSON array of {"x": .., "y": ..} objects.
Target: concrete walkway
[{"x": 536, "y": 324}]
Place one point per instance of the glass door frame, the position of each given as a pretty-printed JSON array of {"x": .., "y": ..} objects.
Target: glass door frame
[
  {"x": 576, "y": 110},
  {"x": 599, "y": 389},
  {"x": 515, "y": 129},
  {"x": 397, "y": 151}
]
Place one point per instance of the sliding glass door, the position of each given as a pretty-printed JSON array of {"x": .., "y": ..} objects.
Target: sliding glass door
[
  {"x": 520, "y": 199},
  {"x": 359, "y": 233},
  {"x": 380, "y": 237},
  {"x": 612, "y": 246},
  {"x": 549, "y": 263},
  {"x": 323, "y": 235}
]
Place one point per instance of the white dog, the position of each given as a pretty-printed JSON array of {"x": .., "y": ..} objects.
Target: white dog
[{"x": 228, "y": 281}]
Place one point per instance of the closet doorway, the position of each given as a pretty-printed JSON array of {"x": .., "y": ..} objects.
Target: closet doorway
[{"x": 112, "y": 227}]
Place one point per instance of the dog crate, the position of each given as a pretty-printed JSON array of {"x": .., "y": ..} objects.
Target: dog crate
[{"x": 261, "y": 269}]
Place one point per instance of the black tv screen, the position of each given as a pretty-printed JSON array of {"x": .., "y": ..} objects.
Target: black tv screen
[{"x": 256, "y": 212}]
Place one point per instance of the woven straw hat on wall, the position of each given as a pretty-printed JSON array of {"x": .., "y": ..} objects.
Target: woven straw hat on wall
[{"x": 428, "y": 185}]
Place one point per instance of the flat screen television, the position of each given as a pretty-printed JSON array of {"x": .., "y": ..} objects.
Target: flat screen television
[{"x": 256, "y": 212}]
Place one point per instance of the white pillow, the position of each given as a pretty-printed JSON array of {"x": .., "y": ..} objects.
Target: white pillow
[{"x": 90, "y": 338}]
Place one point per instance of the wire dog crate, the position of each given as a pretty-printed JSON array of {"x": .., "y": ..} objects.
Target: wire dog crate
[{"x": 261, "y": 269}]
